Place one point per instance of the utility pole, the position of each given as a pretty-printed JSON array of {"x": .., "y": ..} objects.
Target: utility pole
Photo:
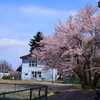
[
  {"x": 4, "y": 67},
  {"x": 52, "y": 75}
]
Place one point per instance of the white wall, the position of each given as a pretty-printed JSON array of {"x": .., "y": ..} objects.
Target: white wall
[{"x": 26, "y": 69}]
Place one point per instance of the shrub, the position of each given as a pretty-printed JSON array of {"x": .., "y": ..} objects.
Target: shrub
[
  {"x": 77, "y": 80},
  {"x": 59, "y": 81},
  {"x": 6, "y": 77},
  {"x": 42, "y": 79}
]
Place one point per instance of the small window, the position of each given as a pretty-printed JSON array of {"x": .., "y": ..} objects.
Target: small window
[
  {"x": 39, "y": 72},
  {"x": 26, "y": 73},
  {"x": 40, "y": 75},
  {"x": 29, "y": 63},
  {"x": 32, "y": 63},
  {"x": 36, "y": 74}
]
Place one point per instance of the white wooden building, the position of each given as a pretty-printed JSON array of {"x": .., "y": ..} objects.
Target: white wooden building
[{"x": 32, "y": 69}]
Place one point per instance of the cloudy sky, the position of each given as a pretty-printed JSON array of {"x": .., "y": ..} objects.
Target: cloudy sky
[{"x": 20, "y": 20}]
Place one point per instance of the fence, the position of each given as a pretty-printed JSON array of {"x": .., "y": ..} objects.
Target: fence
[{"x": 9, "y": 91}]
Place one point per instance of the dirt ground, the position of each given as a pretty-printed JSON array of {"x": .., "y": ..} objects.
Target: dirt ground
[{"x": 70, "y": 92}]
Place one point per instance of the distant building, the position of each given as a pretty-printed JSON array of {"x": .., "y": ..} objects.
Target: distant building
[
  {"x": 4, "y": 73},
  {"x": 32, "y": 69}
]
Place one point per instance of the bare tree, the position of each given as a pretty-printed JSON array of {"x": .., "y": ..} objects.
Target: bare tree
[{"x": 4, "y": 65}]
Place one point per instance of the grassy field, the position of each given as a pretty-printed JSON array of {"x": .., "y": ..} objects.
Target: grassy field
[{"x": 54, "y": 89}]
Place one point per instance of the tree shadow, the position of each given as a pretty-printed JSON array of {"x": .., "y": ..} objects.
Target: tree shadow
[{"x": 74, "y": 95}]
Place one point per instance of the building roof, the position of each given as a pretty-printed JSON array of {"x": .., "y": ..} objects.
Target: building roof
[
  {"x": 19, "y": 69},
  {"x": 4, "y": 71},
  {"x": 29, "y": 56}
]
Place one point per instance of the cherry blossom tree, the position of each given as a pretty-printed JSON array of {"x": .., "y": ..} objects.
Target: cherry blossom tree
[
  {"x": 13, "y": 73},
  {"x": 75, "y": 46}
]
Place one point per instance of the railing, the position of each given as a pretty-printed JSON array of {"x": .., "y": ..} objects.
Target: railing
[{"x": 23, "y": 91}]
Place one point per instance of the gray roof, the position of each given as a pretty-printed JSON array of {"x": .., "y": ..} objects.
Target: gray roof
[
  {"x": 6, "y": 71},
  {"x": 29, "y": 56}
]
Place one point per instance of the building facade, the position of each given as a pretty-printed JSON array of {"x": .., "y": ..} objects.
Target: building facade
[
  {"x": 32, "y": 69},
  {"x": 4, "y": 73}
]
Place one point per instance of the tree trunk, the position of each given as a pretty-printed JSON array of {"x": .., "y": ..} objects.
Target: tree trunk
[
  {"x": 96, "y": 80},
  {"x": 87, "y": 82},
  {"x": 90, "y": 78},
  {"x": 85, "y": 79}
]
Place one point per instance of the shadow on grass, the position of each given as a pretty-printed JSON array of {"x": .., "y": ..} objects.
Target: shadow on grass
[
  {"x": 74, "y": 95},
  {"x": 55, "y": 91}
]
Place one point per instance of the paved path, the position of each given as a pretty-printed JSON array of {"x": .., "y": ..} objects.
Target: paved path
[{"x": 78, "y": 95}]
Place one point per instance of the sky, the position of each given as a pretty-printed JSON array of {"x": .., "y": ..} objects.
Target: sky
[{"x": 20, "y": 20}]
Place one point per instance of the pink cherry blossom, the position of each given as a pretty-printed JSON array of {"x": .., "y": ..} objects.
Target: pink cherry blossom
[{"x": 74, "y": 47}]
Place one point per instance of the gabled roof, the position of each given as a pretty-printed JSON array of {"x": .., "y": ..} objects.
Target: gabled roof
[
  {"x": 19, "y": 69},
  {"x": 29, "y": 56}
]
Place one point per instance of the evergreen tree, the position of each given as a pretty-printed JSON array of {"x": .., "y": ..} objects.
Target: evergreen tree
[{"x": 33, "y": 42}]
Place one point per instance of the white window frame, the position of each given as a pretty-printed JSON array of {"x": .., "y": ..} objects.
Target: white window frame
[
  {"x": 32, "y": 63},
  {"x": 36, "y": 74}
]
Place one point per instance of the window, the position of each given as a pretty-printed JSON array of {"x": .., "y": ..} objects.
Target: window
[
  {"x": 33, "y": 63},
  {"x": 26, "y": 73},
  {"x": 36, "y": 74}
]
